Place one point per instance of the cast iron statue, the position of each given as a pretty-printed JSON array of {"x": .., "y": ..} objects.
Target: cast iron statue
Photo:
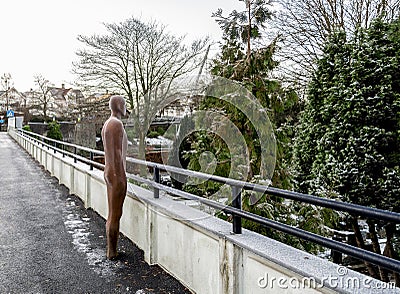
[{"x": 115, "y": 145}]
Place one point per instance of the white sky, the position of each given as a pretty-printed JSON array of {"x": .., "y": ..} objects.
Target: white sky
[{"x": 40, "y": 36}]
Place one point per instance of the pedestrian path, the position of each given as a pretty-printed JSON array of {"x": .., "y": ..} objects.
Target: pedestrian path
[{"x": 49, "y": 243}]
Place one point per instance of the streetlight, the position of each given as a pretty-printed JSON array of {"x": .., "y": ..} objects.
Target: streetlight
[{"x": 6, "y": 79}]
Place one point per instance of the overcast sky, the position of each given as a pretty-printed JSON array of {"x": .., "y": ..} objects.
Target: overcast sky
[{"x": 39, "y": 37}]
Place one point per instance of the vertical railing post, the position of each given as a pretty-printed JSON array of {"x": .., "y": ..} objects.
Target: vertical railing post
[
  {"x": 237, "y": 203},
  {"x": 337, "y": 256},
  {"x": 63, "y": 150},
  {"x": 156, "y": 178},
  {"x": 91, "y": 160},
  {"x": 75, "y": 151},
  {"x": 55, "y": 146}
]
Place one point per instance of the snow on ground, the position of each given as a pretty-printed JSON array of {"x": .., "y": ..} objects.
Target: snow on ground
[
  {"x": 160, "y": 140},
  {"x": 78, "y": 227}
]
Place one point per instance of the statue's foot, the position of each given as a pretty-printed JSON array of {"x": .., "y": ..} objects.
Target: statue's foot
[{"x": 112, "y": 255}]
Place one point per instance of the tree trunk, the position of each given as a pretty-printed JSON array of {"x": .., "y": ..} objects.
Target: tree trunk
[
  {"x": 248, "y": 32},
  {"x": 142, "y": 146},
  {"x": 142, "y": 152},
  {"x": 377, "y": 249},
  {"x": 360, "y": 243},
  {"x": 45, "y": 111}
]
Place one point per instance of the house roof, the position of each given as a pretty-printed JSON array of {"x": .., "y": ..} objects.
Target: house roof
[
  {"x": 59, "y": 93},
  {"x": 62, "y": 93},
  {"x": 12, "y": 94}
]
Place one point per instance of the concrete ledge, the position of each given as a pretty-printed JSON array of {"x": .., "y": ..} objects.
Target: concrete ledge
[{"x": 199, "y": 249}]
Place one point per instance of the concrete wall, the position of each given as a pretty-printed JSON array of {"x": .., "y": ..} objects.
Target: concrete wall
[
  {"x": 38, "y": 127},
  {"x": 67, "y": 129},
  {"x": 85, "y": 134},
  {"x": 15, "y": 122},
  {"x": 199, "y": 249}
]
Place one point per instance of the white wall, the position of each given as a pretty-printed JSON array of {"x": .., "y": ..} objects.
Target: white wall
[
  {"x": 15, "y": 122},
  {"x": 200, "y": 250}
]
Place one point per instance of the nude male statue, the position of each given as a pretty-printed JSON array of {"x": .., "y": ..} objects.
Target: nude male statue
[{"x": 115, "y": 145}]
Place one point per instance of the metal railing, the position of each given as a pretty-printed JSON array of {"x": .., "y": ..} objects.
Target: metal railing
[
  {"x": 235, "y": 209},
  {"x": 64, "y": 149}
]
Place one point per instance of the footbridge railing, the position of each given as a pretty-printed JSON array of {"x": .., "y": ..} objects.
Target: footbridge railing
[{"x": 87, "y": 156}]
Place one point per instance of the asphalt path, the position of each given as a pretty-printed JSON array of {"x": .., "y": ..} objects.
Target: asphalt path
[{"x": 49, "y": 243}]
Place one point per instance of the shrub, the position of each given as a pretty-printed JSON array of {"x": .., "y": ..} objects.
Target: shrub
[
  {"x": 27, "y": 128},
  {"x": 153, "y": 134},
  {"x": 54, "y": 131}
]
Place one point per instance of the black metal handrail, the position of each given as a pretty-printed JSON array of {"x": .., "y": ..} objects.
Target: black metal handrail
[
  {"x": 236, "y": 211},
  {"x": 63, "y": 151},
  {"x": 319, "y": 201}
]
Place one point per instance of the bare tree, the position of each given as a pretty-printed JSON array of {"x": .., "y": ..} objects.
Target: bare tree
[
  {"x": 42, "y": 101},
  {"x": 306, "y": 24},
  {"x": 6, "y": 80},
  {"x": 136, "y": 58}
]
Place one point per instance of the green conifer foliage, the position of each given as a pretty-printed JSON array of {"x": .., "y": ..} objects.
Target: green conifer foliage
[
  {"x": 348, "y": 140},
  {"x": 54, "y": 131},
  {"x": 282, "y": 105},
  {"x": 348, "y": 143}
]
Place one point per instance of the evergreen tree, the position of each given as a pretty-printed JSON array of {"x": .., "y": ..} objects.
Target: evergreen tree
[
  {"x": 282, "y": 105},
  {"x": 54, "y": 131},
  {"x": 245, "y": 25},
  {"x": 326, "y": 91},
  {"x": 348, "y": 143}
]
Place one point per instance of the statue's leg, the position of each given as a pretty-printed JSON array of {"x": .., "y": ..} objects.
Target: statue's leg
[
  {"x": 115, "y": 203},
  {"x": 112, "y": 231}
]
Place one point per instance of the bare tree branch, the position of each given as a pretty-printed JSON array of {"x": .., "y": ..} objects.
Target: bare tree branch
[
  {"x": 306, "y": 24},
  {"x": 135, "y": 58},
  {"x": 43, "y": 100}
]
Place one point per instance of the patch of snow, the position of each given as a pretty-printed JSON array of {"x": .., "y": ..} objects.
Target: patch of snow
[
  {"x": 160, "y": 140},
  {"x": 78, "y": 227}
]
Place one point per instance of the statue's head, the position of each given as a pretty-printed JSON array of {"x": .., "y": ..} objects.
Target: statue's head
[{"x": 117, "y": 105}]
